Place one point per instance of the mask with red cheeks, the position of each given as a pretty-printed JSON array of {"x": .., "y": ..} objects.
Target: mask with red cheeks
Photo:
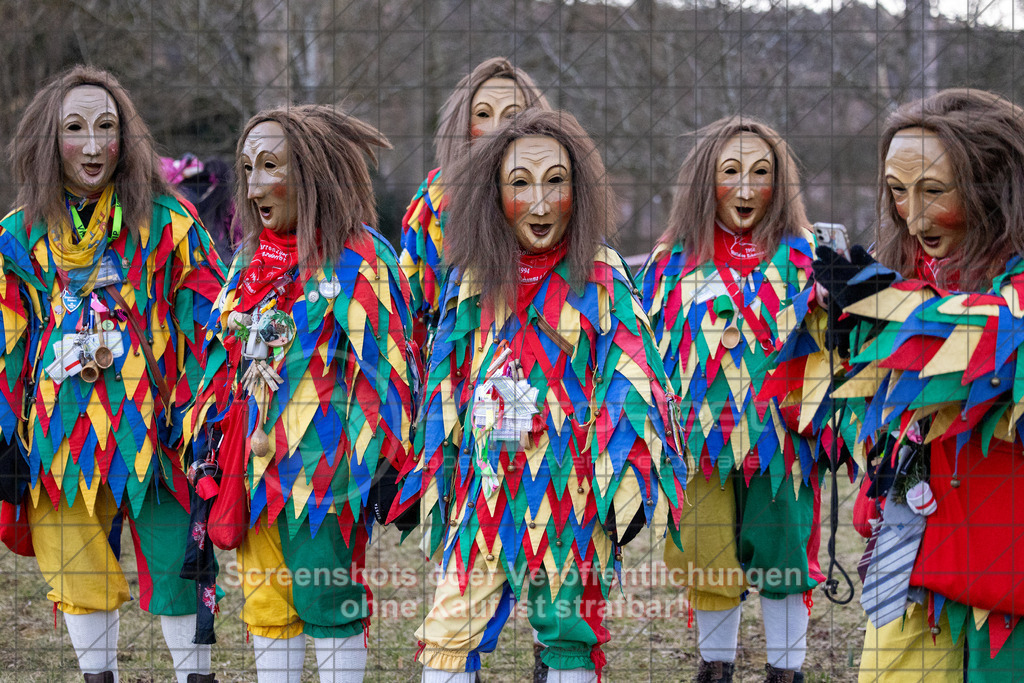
[
  {"x": 536, "y": 191},
  {"x": 267, "y": 177},
  {"x": 922, "y": 184},
  {"x": 90, "y": 134},
  {"x": 744, "y": 182},
  {"x": 496, "y": 100}
]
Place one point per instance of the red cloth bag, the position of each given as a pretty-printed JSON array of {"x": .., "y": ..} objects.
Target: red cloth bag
[
  {"x": 14, "y": 530},
  {"x": 229, "y": 514},
  {"x": 864, "y": 510}
]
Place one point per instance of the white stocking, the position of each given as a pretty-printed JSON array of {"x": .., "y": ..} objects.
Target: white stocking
[
  {"x": 279, "y": 660},
  {"x": 94, "y": 636},
  {"x": 718, "y": 633},
  {"x": 341, "y": 660},
  {"x": 571, "y": 676},
  {"x": 785, "y": 631},
  {"x": 439, "y": 676},
  {"x": 189, "y": 658}
]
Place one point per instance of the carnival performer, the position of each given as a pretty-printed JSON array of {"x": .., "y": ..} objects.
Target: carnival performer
[
  {"x": 545, "y": 438},
  {"x": 116, "y": 269},
  {"x": 482, "y": 100},
  {"x": 309, "y": 389},
  {"x": 737, "y": 248},
  {"x": 937, "y": 371}
]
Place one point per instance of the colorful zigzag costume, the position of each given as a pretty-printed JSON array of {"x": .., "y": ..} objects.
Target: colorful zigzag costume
[
  {"x": 343, "y": 407},
  {"x": 422, "y": 251},
  {"x": 717, "y": 325},
  {"x": 593, "y": 432},
  {"x": 98, "y": 447},
  {"x": 954, "y": 361}
]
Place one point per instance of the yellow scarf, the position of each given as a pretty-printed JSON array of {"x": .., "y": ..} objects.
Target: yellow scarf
[{"x": 79, "y": 261}]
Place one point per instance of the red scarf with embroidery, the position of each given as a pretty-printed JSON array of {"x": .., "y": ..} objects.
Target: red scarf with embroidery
[
  {"x": 737, "y": 251},
  {"x": 533, "y": 269},
  {"x": 927, "y": 268},
  {"x": 275, "y": 256}
]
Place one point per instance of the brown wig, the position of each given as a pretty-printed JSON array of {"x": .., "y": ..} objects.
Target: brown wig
[
  {"x": 984, "y": 137},
  {"x": 478, "y": 237},
  {"x": 692, "y": 220},
  {"x": 332, "y": 181},
  {"x": 452, "y": 135},
  {"x": 35, "y": 153}
]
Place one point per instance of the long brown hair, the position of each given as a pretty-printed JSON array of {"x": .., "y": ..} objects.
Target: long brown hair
[
  {"x": 332, "y": 181},
  {"x": 983, "y": 134},
  {"x": 452, "y": 135},
  {"x": 478, "y": 237},
  {"x": 692, "y": 219},
  {"x": 35, "y": 153}
]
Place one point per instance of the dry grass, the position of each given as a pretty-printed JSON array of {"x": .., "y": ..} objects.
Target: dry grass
[{"x": 642, "y": 648}]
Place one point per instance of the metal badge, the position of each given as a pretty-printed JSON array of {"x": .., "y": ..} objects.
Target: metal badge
[
  {"x": 313, "y": 297},
  {"x": 71, "y": 301},
  {"x": 330, "y": 288}
]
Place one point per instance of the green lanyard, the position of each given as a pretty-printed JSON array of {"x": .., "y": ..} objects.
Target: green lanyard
[{"x": 115, "y": 229}]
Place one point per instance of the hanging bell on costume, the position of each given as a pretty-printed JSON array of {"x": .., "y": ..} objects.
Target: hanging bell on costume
[{"x": 731, "y": 336}]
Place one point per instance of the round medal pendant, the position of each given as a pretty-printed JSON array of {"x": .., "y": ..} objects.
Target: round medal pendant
[
  {"x": 731, "y": 337},
  {"x": 330, "y": 288}
]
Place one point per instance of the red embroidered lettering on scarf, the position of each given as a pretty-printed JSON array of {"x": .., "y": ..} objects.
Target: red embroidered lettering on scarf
[
  {"x": 737, "y": 251},
  {"x": 275, "y": 256},
  {"x": 534, "y": 269}
]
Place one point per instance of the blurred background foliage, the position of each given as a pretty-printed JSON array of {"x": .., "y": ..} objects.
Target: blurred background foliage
[{"x": 640, "y": 76}]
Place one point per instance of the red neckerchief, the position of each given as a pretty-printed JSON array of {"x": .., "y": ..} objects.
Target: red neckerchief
[
  {"x": 275, "y": 256},
  {"x": 533, "y": 269},
  {"x": 927, "y": 268},
  {"x": 737, "y": 251}
]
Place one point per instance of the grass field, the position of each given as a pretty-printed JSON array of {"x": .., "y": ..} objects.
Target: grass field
[{"x": 644, "y": 646}]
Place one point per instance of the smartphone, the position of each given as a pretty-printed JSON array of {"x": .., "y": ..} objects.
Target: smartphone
[{"x": 833, "y": 235}]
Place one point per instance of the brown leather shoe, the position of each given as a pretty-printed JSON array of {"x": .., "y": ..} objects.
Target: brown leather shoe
[
  {"x": 714, "y": 672},
  {"x": 773, "y": 675}
]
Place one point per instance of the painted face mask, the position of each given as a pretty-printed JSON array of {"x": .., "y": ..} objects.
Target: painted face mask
[
  {"x": 496, "y": 100},
  {"x": 90, "y": 134},
  {"x": 744, "y": 181},
  {"x": 536, "y": 191},
  {"x": 265, "y": 162},
  {"x": 921, "y": 180}
]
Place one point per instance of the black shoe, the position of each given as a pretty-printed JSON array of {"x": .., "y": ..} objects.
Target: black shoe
[
  {"x": 714, "y": 672},
  {"x": 101, "y": 677},
  {"x": 540, "y": 669},
  {"x": 773, "y": 675},
  {"x": 201, "y": 678}
]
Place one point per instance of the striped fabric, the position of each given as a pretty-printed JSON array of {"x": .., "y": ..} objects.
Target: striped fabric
[{"x": 888, "y": 576}]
